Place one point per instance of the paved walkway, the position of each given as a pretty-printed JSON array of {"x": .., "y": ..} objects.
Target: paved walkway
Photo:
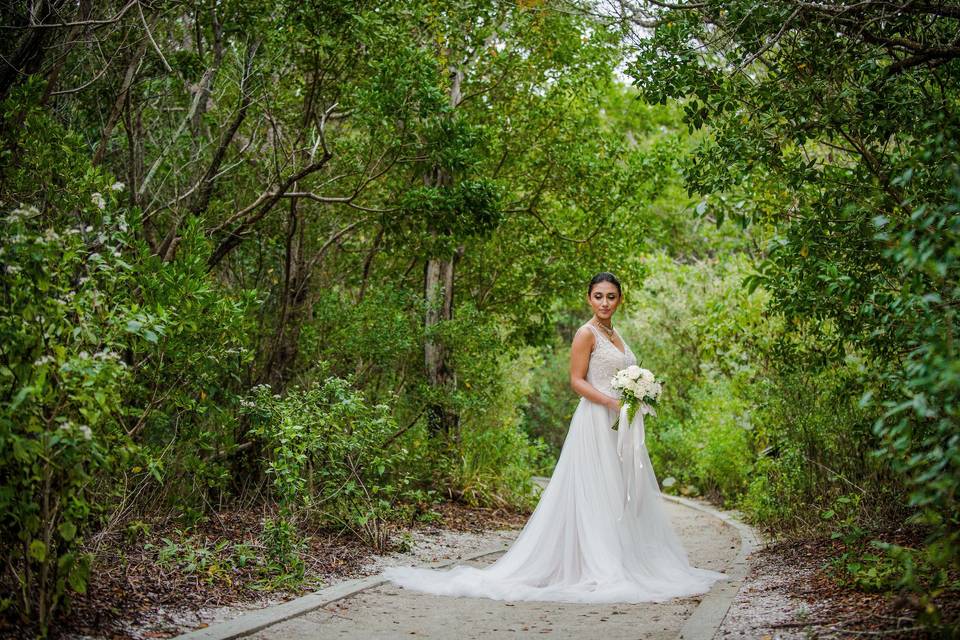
[{"x": 374, "y": 610}]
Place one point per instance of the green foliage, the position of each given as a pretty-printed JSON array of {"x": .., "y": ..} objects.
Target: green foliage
[
  {"x": 332, "y": 456},
  {"x": 63, "y": 328},
  {"x": 551, "y": 403},
  {"x": 693, "y": 325},
  {"x": 276, "y": 560},
  {"x": 848, "y": 147},
  {"x": 719, "y": 430},
  {"x": 284, "y": 546},
  {"x": 192, "y": 367},
  {"x": 879, "y": 566},
  {"x": 490, "y": 460}
]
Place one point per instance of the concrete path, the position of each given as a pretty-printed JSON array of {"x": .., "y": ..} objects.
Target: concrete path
[{"x": 372, "y": 609}]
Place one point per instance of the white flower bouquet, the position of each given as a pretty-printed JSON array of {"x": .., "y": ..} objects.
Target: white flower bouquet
[{"x": 636, "y": 386}]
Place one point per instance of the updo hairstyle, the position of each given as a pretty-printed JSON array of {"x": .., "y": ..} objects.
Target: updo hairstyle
[{"x": 605, "y": 276}]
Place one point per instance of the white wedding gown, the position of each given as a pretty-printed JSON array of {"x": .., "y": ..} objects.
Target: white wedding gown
[{"x": 580, "y": 544}]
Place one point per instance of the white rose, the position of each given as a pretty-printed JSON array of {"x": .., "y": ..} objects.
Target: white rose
[{"x": 647, "y": 375}]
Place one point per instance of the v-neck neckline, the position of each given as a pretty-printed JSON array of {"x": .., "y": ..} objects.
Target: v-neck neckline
[{"x": 612, "y": 344}]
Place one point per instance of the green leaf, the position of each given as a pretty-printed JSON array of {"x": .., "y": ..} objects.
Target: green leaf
[
  {"x": 38, "y": 551},
  {"x": 80, "y": 574},
  {"x": 68, "y": 530}
]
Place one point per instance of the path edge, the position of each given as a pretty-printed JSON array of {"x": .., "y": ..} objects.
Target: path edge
[
  {"x": 251, "y": 622},
  {"x": 706, "y": 619}
]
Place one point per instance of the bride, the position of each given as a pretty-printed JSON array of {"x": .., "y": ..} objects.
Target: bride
[{"x": 581, "y": 544}]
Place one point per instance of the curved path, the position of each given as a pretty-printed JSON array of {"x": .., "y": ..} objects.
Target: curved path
[{"x": 371, "y": 609}]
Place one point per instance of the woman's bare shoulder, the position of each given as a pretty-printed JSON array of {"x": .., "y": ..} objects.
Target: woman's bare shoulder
[{"x": 584, "y": 335}]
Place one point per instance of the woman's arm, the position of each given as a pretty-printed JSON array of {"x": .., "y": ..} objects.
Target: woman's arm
[{"x": 583, "y": 342}]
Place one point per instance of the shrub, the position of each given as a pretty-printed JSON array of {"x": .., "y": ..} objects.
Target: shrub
[
  {"x": 494, "y": 460},
  {"x": 332, "y": 456},
  {"x": 63, "y": 326}
]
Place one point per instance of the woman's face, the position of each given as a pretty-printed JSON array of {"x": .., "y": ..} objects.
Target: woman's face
[{"x": 604, "y": 299}]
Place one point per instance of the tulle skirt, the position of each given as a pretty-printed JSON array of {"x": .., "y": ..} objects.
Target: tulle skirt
[{"x": 580, "y": 544}]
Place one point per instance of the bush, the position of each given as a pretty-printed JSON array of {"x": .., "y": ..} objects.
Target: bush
[
  {"x": 187, "y": 380},
  {"x": 332, "y": 456},
  {"x": 551, "y": 403},
  {"x": 721, "y": 427},
  {"x": 494, "y": 460},
  {"x": 63, "y": 327}
]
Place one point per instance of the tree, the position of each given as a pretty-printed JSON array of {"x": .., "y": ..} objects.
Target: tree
[{"x": 838, "y": 124}]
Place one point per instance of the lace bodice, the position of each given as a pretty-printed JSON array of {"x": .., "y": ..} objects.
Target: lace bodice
[{"x": 606, "y": 360}]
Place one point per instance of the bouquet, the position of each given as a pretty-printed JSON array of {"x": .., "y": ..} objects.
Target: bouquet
[{"x": 637, "y": 386}]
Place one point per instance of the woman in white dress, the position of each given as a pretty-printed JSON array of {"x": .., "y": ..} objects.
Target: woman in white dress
[{"x": 582, "y": 544}]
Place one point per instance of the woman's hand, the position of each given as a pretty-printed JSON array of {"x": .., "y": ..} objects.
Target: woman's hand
[{"x": 614, "y": 403}]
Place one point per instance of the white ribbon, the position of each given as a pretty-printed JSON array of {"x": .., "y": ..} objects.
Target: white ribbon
[{"x": 631, "y": 437}]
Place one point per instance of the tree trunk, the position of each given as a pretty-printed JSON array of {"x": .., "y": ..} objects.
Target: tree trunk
[
  {"x": 438, "y": 293},
  {"x": 121, "y": 100},
  {"x": 29, "y": 56},
  {"x": 285, "y": 345},
  {"x": 438, "y": 283}
]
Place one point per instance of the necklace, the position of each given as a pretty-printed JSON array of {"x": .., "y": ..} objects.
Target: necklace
[{"x": 606, "y": 330}]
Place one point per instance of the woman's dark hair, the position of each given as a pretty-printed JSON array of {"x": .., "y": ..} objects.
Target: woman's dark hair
[{"x": 605, "y": 276}]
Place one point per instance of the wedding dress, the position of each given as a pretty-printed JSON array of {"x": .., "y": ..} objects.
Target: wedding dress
[{"x": 581, "y": 544}]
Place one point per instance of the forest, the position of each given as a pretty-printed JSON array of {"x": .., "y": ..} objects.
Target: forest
[{"x": 321, "y": 262}]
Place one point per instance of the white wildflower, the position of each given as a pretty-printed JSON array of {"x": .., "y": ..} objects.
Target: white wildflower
[
  {"x": 99, "y": 200},
  {"x": 86, "y": 432},
  {"x": 117, "y": 186}
]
